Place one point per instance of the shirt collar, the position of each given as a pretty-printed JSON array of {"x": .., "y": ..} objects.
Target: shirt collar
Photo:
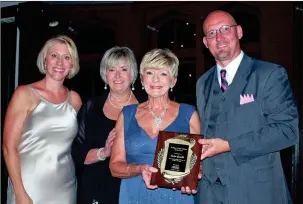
[{"x": 231, "y": 68}]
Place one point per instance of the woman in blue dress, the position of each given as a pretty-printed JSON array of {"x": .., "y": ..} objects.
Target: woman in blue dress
[{"x": 137, "y": 129}]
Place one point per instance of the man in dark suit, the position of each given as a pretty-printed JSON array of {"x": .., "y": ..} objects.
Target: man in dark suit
[{"x": 248, "y": 116}]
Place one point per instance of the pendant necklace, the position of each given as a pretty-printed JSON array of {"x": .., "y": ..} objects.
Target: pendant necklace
[
  {"x": 119, "y": 107},
  {"x": 157, "y": 119}
]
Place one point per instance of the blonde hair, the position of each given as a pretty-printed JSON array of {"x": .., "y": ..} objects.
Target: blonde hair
[
  {"x": 113, "y": 56},
  {"x": 160, "y": 59},
  {"x": 71, "y": 47}
]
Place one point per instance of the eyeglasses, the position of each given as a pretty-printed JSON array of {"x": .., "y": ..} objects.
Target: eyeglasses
[{"x": 223, "y": 30}]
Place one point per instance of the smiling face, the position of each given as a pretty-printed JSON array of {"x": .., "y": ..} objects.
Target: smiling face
[
  {"x": 224, "y": 47},
  {"x": 58, "y": 61},
  {"x": 119, "y": 76},
  {"x": 157, "y": 81}
]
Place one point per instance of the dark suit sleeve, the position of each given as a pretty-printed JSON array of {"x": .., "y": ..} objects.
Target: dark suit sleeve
[
  {"x": 80, "y": 145},
  {"x": 281, "y": 128}
]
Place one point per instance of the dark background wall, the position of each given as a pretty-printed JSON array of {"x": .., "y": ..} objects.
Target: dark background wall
[{"x": 272, "y": 32}]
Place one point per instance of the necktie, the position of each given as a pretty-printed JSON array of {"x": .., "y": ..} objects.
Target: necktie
[{"x": 224, "y": 84}]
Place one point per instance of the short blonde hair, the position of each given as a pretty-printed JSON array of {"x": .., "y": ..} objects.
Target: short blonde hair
[
  {"x": 113, "y": 56},
  {"x": 160, "y": 59},
  {"x": 71, "y": 47}
]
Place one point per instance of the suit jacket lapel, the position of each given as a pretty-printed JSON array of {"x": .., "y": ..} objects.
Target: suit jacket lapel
[{"x": 232, "y": 95}]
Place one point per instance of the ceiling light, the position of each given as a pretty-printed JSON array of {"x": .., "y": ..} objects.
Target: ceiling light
[{"x": 53, "y": 23}]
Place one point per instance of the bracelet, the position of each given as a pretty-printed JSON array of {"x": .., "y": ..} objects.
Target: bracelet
[
  {"x": 127, "y": 170},
  {"x": 98, "y": 154}
]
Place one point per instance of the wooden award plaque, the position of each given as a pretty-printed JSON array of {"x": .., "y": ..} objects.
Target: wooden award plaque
[{"x": 177, "y": 159}]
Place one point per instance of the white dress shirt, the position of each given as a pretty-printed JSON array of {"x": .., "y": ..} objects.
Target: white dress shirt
[{"x": 231, "y": 69}]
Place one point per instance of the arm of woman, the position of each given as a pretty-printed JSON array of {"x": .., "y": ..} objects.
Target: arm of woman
[
  {"x": 16, "y": 114},
  {"x": 76, "y": 100},
  {"x": 81, "y": 148},
  {"x": 95, "y": 155},
  {"x": 118, "y": 165},
  {"x": 194, "y": 123}
]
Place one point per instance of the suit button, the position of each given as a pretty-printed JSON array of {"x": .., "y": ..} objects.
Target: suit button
[{"x": 222, "y": 97}]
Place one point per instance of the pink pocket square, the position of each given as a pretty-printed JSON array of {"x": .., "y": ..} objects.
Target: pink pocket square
[{"x": 246, "y": 98}]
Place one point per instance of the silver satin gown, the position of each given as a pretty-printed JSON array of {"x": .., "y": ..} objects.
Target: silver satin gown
[{"x": 47, "y": 168}]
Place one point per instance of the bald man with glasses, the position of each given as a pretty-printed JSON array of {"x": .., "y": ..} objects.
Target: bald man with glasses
[{"x": 248, "y": 115}]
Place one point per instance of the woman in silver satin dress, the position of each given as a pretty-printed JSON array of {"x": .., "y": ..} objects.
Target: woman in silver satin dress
[{"x": 39, "y": 128}]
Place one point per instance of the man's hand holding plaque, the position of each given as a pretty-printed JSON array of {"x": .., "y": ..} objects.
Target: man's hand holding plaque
[{"x": 177, "y": 159}]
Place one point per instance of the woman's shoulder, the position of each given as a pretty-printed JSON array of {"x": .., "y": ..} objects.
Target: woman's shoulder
[
  {"x": 22, "y": 94},
  {"x": 187, "y": 110},
  {"x": 129, "y": 111},
  {"x": 75, "y": 100},
  {"x": 22, "y": 89},
  {"x": 129, "y": 108},
  {"x": 22, "y": 99},
  {"x": 187, "y": 106}
]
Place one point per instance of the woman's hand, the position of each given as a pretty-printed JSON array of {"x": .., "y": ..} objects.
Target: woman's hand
[
  {"x": 92, "y": 156},
  {"x": 23, "y": 199},
  {"x": 146, "y": 172},
  {"x": 109, "y": 143}
]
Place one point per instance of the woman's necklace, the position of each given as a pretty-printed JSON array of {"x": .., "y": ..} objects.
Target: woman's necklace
[
  {"x": 119, "y": 107},
  {"x": 157, "y": 119}
]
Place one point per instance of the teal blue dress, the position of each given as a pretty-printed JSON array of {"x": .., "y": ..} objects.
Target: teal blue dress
[{"x": 140, "y": 149}]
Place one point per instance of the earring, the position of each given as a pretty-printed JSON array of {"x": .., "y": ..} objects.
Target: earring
[
  {"x": 44, "y": 66},
  {"x": 133, "y": 88},
  {"x": 105, "y": 86},
  {"x": 171, "y": 89},
  {"x": 142, "y": 87}
]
